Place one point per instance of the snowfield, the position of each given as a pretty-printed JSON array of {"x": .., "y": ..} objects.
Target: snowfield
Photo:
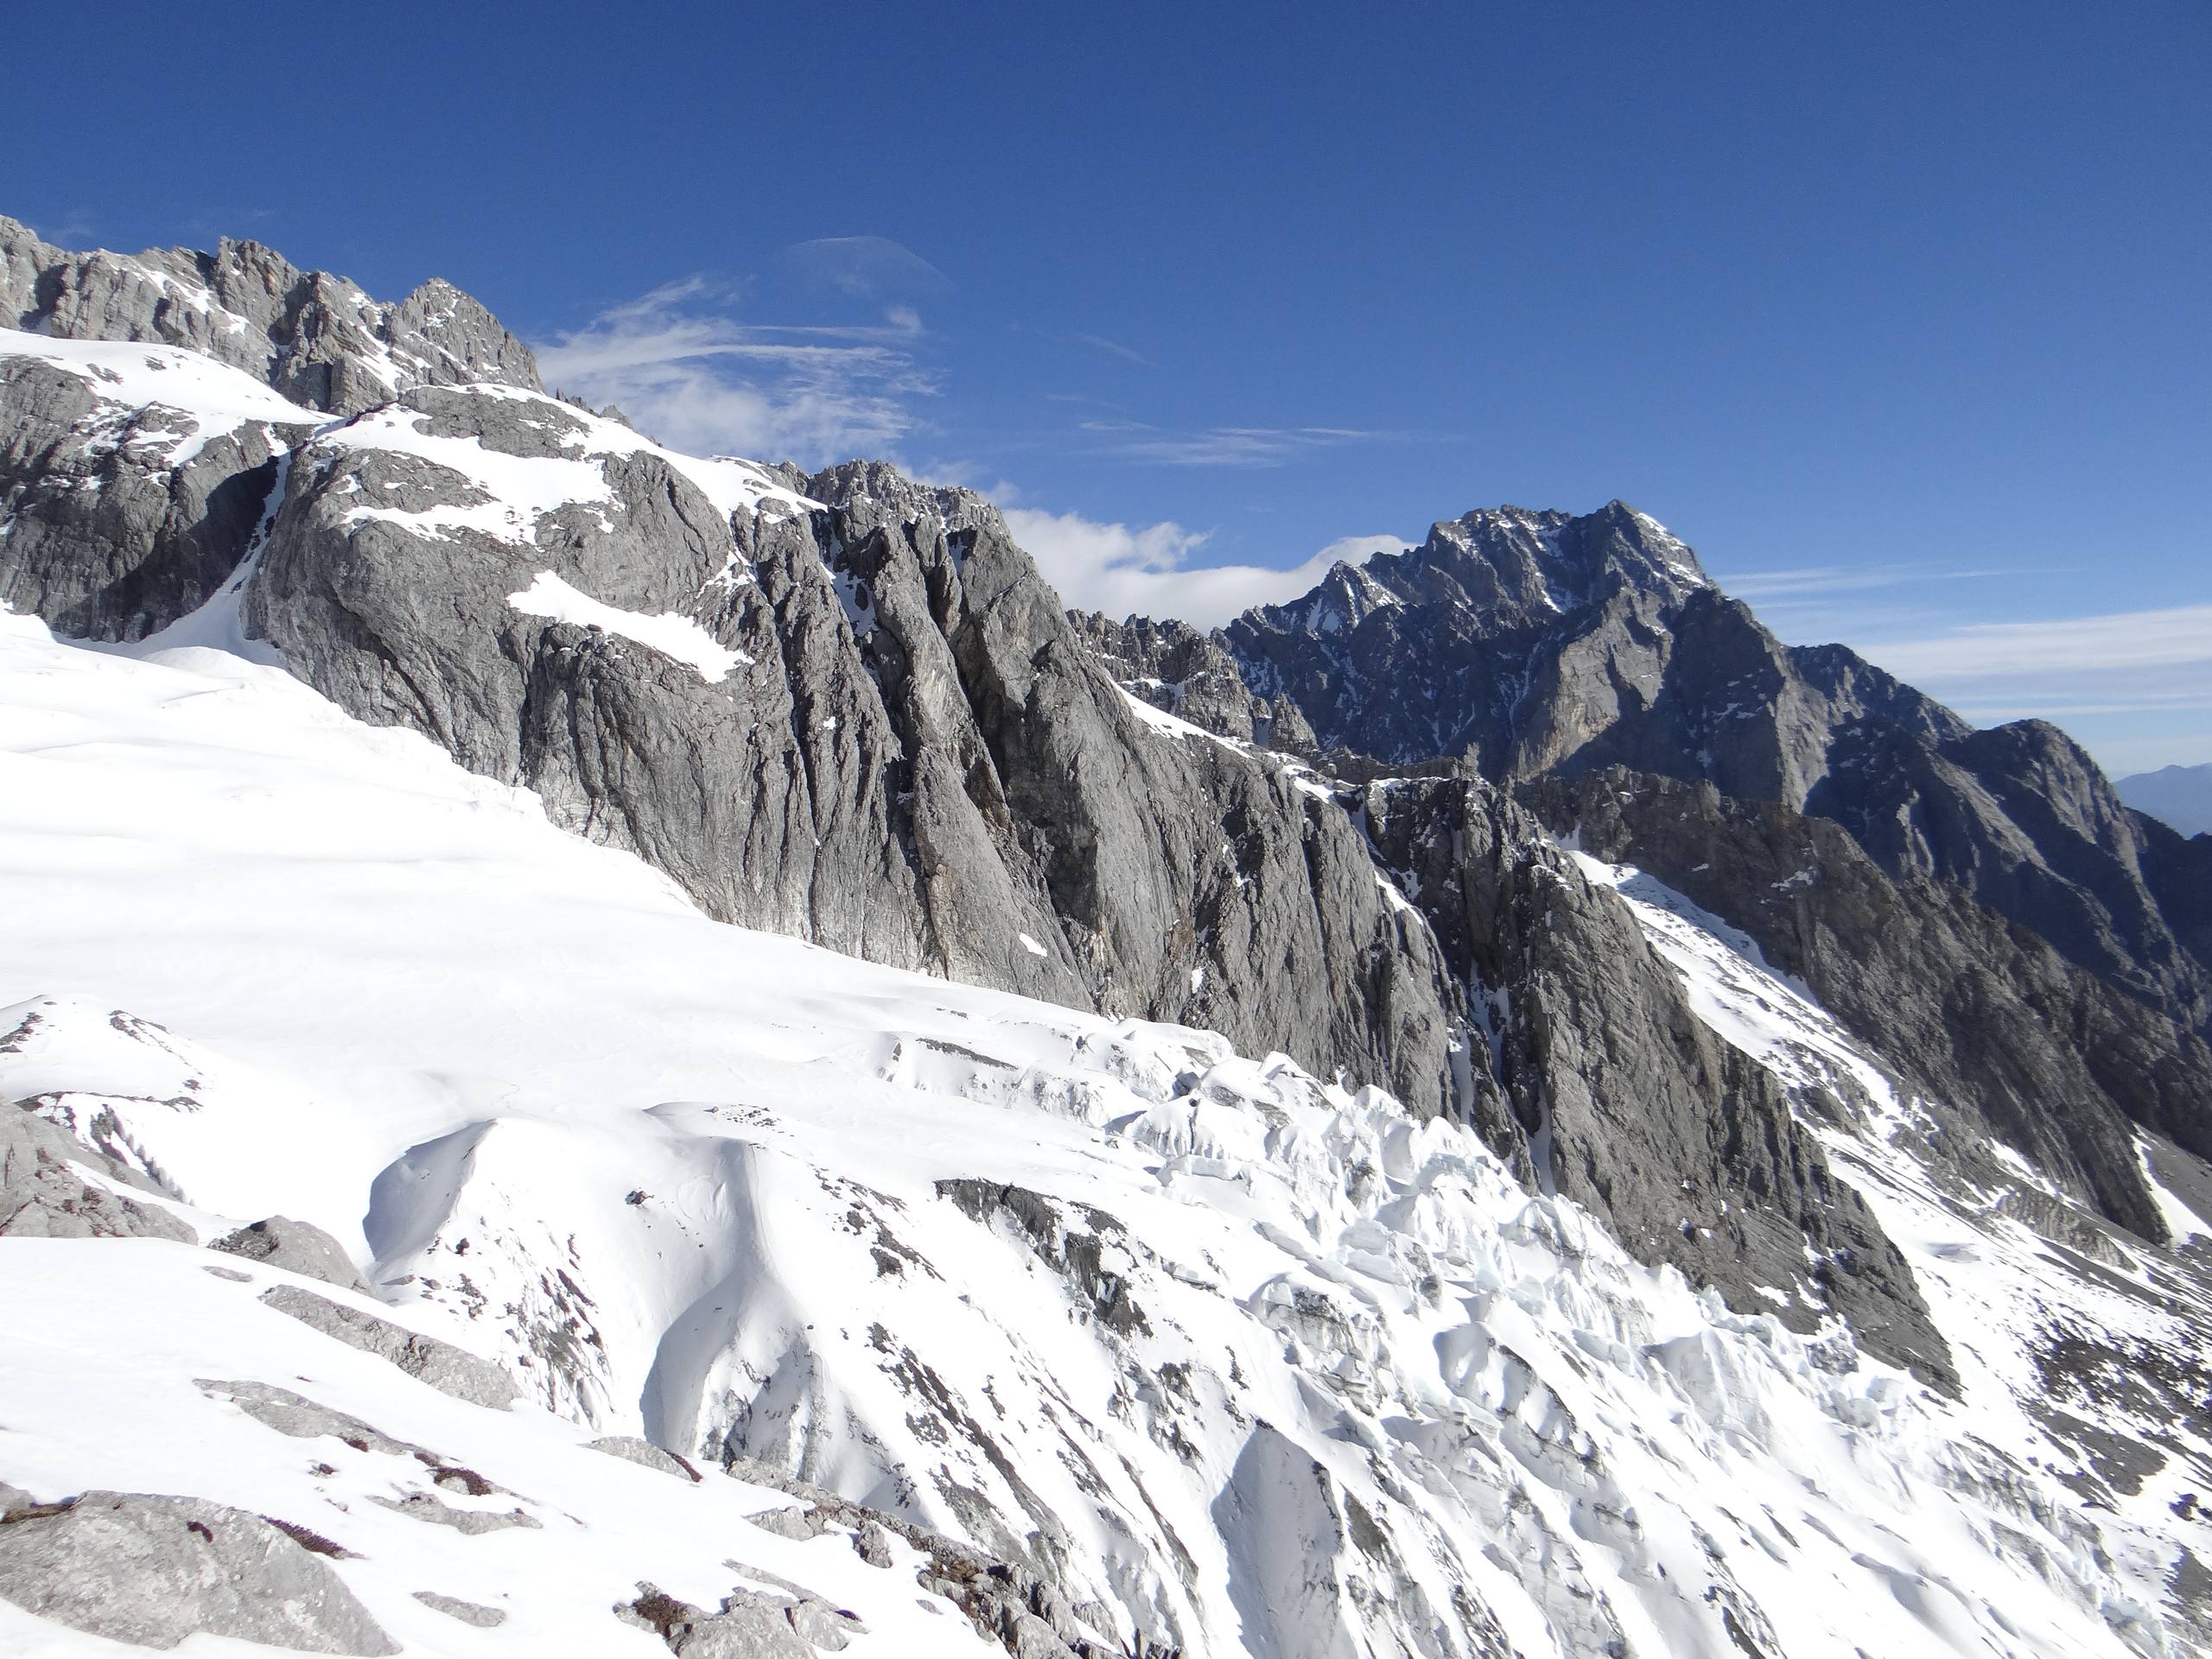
[{"x": 1249, "y": 1363}]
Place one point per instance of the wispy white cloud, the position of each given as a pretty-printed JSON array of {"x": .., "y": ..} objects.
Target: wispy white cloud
[
  {"x": 866, "y": 267},
  {"x": 2127, "y": 642},
  {"x": 2136, "y": 686},
  {"x": 1769, "y": 585},
  {"x": 1115, "y": 348},
  {"x": 687, "y": 372},
  {"x": 1151, "y": 571},
  {"x": 1221, "y": 446}
]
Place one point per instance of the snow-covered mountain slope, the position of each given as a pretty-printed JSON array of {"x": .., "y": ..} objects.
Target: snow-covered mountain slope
[
  {"x": 850, "y": 712},
  {"x": 1228, "y": 1360}
]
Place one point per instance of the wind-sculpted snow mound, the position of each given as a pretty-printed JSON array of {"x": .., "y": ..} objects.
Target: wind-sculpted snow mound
[{"x": 1205, "y": 1354}]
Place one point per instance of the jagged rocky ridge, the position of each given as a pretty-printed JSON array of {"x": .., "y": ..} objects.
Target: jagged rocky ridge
[
  {"x": 869, "y": 725},
  {"x": 1542, "y": 644},
  {"x": 1553, "y": 648}
]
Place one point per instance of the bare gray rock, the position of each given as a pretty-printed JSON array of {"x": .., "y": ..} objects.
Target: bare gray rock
[
  {"x": 316, "y": 337},
  {"x": 1979, "y": 1014},
  {"x": 151, "y": 1571},
  {"x": 821, "y": 1625},
  {"x": 1541, "y": 643},
  {"x": 304, "y": 1418},
  {"x": 796, "y": 1523},
  {"x": 444, "y": 1366},
  {"x": 1613, "y": 1092},
  {"x": 296, "y": 1247},
  {"x": 44, "y": 1192},
  {"x": 747, "y": 1626},
  {"x": 631, "y": 1448},
  {"x": 111, "y": 536},
  {"x": 916, "y": 760},
  {"x": 1179, "y": 670},
  {"x": 468, "y": 1612},
  {"x": 473, "y": 1523}
]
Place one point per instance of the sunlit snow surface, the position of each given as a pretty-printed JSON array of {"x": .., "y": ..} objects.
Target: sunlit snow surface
[{"x": 678, "y": 1177}]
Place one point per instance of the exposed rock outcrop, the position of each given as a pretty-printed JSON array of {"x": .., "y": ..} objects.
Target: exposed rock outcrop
[
  {"x": 44, "y": 1191},
  {"x": 1973, "y": 1010},
  {"x": 911, "y": 756},
  {"x": 316, "y": 338},
  {"x": 296, "y": 1247},
  {"x": 1619, "y": 1098},
  {"x": 120, "y": 517},
  {"x": 151, "y": 1571},
  {"x": 444, "y": 1366},
  {"x": 1180, "y": 671},
  {"x": 1545, "y": 644}
]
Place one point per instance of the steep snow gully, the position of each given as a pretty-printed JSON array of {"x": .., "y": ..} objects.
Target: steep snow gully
[{"x": 425, "y": 1230}]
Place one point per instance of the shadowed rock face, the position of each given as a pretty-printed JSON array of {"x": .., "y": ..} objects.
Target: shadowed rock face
[
  {"x": 1541, "y": 644},
  {"x": 106, "y": 539},
  {"x": 316, "y": 338},
  {"x": 1618, "y": 1096},
  {"x": 1974, "y": 1011}
]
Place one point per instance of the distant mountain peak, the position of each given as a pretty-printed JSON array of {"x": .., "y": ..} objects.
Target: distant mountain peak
[{"x": 2180, "y": 797}]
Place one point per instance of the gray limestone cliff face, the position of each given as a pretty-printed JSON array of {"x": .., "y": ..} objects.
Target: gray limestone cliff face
[
  {"x": 103, "y": 532},
  {"x": 913, "y": 759},
  {"x": 1180, "y": 671},
  {"x": 2022, "y": 818},
  {"x": 1616, "y": 1095},
  {"x": 1978, "y": 1014},
  {"x": 316, "y": 338},
  {"x": 1541, "y": 643}
]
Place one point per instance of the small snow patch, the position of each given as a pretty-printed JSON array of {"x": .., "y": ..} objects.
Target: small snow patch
[{"x": 669, "y": 633}]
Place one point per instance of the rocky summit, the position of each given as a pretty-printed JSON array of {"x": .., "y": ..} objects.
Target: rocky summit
[{"x": 607, "y": 1051}]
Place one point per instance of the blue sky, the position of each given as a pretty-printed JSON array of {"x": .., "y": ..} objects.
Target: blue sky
[{"x": 1898, "y": 314}]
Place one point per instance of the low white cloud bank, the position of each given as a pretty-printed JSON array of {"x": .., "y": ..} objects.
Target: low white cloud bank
[
  {"x": 1153, "y": 570},
  {"x": 2125, "y": 640},
  {"x": 701, "y": 382},
  {"x": 2136, "y": 686}
]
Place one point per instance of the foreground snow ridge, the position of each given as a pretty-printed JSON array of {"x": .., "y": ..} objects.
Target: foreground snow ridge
[{"x": 1216, "y": 1357}]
